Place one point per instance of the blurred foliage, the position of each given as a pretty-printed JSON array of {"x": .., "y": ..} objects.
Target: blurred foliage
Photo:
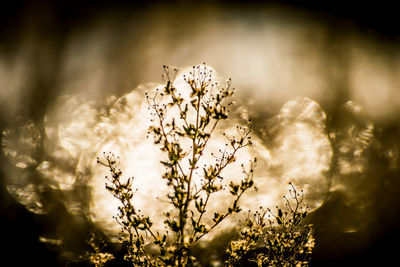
[{"x": 96, "y": 256}]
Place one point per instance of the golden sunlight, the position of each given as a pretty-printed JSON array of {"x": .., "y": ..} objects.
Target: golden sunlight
[
  {"x": 323, "y": 102},
  {"x": 299, "y": 152}
]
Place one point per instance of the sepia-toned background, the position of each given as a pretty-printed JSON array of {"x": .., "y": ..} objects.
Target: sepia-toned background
[{"x": 320, "y": 82}]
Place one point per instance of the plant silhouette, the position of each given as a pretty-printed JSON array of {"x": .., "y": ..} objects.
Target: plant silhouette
[{"x": 183, "y": 139}]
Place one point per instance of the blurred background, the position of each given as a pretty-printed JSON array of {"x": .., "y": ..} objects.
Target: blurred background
[{"x": 338, "y": 62}]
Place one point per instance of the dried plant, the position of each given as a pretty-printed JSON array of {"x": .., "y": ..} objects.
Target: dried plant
[
  {"x": 287, "y": 241},
  {"x": 198, "y": 118}
]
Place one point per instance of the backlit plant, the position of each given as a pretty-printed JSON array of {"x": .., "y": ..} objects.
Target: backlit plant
[
  {"x": 198, "y": 118},
  {"x": 279, "y": 238}
]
